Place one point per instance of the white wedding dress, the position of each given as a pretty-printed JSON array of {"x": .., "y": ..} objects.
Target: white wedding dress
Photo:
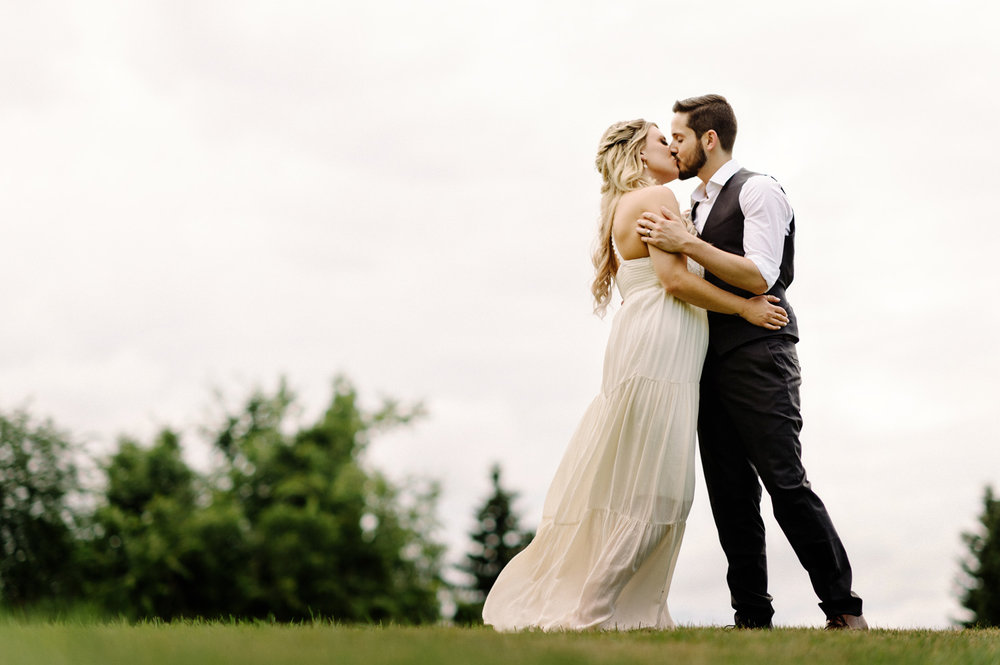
[{"x": 611, "y": 527}]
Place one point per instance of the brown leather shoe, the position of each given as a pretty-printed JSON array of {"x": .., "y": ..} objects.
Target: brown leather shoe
[{"x": 846, "y": 622}]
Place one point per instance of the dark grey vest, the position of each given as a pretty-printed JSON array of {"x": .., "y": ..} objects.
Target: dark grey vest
[{"x": 724, "y": 229}]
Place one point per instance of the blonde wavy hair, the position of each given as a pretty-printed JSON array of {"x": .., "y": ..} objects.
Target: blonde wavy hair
[{"x": 622, "y": 171}]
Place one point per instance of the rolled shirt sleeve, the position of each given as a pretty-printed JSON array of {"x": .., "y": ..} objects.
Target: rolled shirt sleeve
[{"x": 767, "y": 219}]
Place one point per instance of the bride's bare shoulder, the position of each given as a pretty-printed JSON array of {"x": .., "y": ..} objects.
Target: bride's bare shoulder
[
  {"x": 649, "y": 198},
  {"x": 630, "y": 208}
]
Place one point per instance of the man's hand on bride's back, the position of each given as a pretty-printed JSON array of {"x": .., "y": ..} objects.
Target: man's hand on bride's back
[
  {"x": 666, "y": 230},
  {"x": 761, "y": 311}
]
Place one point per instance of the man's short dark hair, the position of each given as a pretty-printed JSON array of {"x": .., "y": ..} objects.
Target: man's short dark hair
[{"x": 710, "y": 112}]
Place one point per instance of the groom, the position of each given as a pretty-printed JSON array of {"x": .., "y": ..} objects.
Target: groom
[{"x": 749, "y": 421}]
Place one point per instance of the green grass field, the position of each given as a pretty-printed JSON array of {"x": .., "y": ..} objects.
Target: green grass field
[{"x": 83, "y": 643}]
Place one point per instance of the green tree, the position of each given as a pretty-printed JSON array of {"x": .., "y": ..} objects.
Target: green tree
[
  {"x": 496, "y": 539},
  {"x": 38, "y": 478},
  {"x": 981, "y": 570},
  {"x": 158, "y": 550},
  {"x": 329, "y": 537}
]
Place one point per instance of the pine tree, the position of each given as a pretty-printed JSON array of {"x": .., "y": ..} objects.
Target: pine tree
[
  {"x": 496, "y": 540},
  {"x": 982, "y": 569}
]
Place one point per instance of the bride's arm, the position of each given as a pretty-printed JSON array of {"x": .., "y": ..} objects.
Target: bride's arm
[
  {"x": 682, "y": 284},
  {"x": 668, "y": 232}
]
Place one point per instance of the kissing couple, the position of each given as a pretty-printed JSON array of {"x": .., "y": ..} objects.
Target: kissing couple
[{"x": 704, "y": 341}]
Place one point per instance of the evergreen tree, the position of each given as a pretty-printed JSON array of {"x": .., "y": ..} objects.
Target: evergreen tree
[
  {"x": 496, "y": 540},
  {"x": 982, "y": 568}
]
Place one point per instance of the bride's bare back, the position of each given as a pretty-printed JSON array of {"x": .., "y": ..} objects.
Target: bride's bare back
[{"x": 630, "y": 208}]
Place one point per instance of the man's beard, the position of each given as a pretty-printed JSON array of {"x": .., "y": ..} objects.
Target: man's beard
[{"x": 691, "y": 170}]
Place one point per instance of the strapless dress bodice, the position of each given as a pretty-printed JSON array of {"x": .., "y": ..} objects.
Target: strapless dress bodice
[{"x": 636, "y": 275}]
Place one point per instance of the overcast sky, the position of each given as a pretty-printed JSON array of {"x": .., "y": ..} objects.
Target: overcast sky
[{"x": 201, "y": 195}]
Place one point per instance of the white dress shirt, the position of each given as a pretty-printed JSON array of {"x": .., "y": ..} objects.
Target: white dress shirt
[{"x": 767, "y": 212}]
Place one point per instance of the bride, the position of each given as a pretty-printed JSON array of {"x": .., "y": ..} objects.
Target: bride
[{"x": 614, "y": 516}]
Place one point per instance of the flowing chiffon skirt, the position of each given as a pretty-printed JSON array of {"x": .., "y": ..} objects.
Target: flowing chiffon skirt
[{"x": 605, "y": 550}]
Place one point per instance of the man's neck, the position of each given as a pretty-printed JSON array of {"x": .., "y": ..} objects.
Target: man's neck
[{"x": 715, "y": 162}]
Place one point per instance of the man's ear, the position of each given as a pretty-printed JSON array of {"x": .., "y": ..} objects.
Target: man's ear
[{"x": 710, "y": 140}]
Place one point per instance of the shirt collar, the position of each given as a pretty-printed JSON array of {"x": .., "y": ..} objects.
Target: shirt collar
[{"x": 715, "y": 184}]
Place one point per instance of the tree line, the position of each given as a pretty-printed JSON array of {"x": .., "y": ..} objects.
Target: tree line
[{"x": 288, "y": 525}]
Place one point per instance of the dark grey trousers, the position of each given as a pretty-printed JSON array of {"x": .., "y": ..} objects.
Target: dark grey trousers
[{"x": 748, "y": 427}]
